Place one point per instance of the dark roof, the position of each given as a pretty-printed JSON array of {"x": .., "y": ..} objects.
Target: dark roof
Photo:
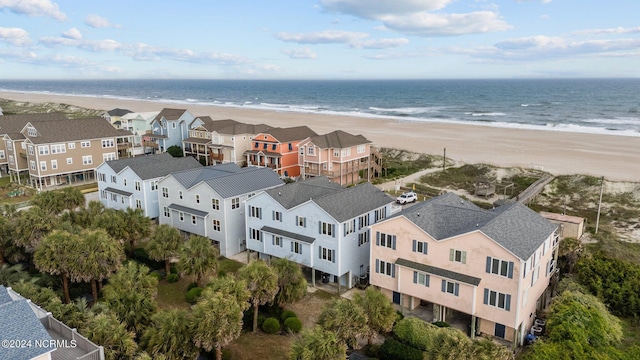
[
  {"x": 21, "y": 323},
  {"x": 118, "y": 191},
  {"x": 118, "y": 112},
  {"x": 214, "y": 125},
  {"x": 13, "y": 124},
  {"x": 338, "y": 140},
  {"x": 242, "y": 128},
  {"x": 188, "y": 210},
  {"x": 291, "y": 134},
  {"x": 229, "y": 179},
  {"x": 197, "y": 140},
  {"x": 471, "y": 280},
  {"x": 73, "y": 130},
  {"x": 341, "y": 203},
  {"x": 289, "y": 234},
  {"x": 154, "y": 166},
  {"x": 170, "y": 114},
  {"x": 517, "y": 228}
]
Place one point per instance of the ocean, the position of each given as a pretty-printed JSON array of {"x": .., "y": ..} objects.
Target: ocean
[{"x": 609, "y": 106}]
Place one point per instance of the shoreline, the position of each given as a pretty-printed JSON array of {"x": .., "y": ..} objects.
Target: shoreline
[{"x": 559, "y": 152}]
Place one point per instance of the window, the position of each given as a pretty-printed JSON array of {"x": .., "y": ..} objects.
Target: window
[
  {"x": 138, "y": 204},
  {"x": 311, "y": 150},
  {"x": 165, "y": 192},
  {"x": 265, "y": 146},
  {"x": 11, "y": 160},
  {"x": 194, "y": 220},
  {"x": 500, "y": 267},
  {"x": 30, "y": 149},
  {"x": 497, "y": 299},
  {"x": 197, "y": 199},
  {"x": 255, "y": 234},
  {"x": 114, "y": 197},
  {"x": 108, "y": 156},
  {"x": 386, "y": 268},
  {"x": 138, "y": 185},
  {"x": 301, "y": 221},
  {"x": 363, "y": 238},
  {"x": 360, "y": 149},
  {"x": 103, "y": 194},
  {"x": 215, "y": 203},
  {"x": 181, "y": 215},
  {"x": 363, "y": 221},
  {"x": 102, "y": 177},
  {"x": 380, "y": 214},
  {"x": 346, "y": 152},
  {"x": 32, "y": 165},
  {"x": 32, "y": 131},
  {"x": 58, "y": 149},
  {"x": 386, "y": 240},
  {"x": 167, "y": 213},
  {"x": 114, "y": 179},
  {"x": 124, "y": 181},
  {"x": 450, "y": 287},
  {"x": 296, "y": 247},
  {"x": 43, "y": 150},
  {"x": 154, "y": 185},
  {"x": 273, "y": 147},
  {"x": 327, "y": 229},
  {"x": 420, "y": 278},
  {"x": 85, "y": 144},
  {"x": 87, "y": 160},
  {"x": 107, "y": 143},
  {"x": 420, "y": 247},
  {"x": 290, "y": 147},
  {"x": 327, "y": 254},
  {"x": 180, "y": 194},
  {"x": 69, "y": 161},
  {"x": 122, "y": 199},
  {"x": 255, "y": 212},
  {"x": 216, "y": 224},
  {"x": 458, "y": 256},
  {"x": 54, "y": 164},
  {"x": 277, "y": 240},
  {"x": 350, "y": 227},
  {"x": 71, "y": 146},
  {"x": 535, "y": 275},
  {"x": 235, "y": 203},
  {"x": 301, "y": 150},
  {"x": 276, "y": 216},
  {"x": 336, "y": 153},
  {"x": 43, "y": 165},
  {"x": 256, "y": 145}
]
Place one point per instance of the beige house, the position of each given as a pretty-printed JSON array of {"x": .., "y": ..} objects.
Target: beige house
[
  {"x": 337, "y": 155},
  {"x": 68, "y": 151},
  {"x": 452, "y": 261},
  {"x": 570, "y": 226}
]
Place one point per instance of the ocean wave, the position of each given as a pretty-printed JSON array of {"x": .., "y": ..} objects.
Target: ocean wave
[
  {"x": 481, "y": 113},
  {"x": 408, "y": 110},
  {"x": 616, "y": 121}
]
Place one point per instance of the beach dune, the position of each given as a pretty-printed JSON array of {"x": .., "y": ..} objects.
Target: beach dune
[{"x": 558, "y": 152}]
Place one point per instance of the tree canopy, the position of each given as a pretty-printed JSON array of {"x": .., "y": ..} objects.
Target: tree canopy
[{"x": 262, "y": 282}]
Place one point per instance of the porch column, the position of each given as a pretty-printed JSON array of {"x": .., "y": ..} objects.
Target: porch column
[
  {"x": 339, "y": 279},
  {"x": 313, "y": 277},
  {"x": 473, "y": 327}
]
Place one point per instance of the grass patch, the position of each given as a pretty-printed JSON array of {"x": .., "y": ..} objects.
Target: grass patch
[
  {"x": 260, "y": 346},
  {"x": 463, "y": 177},
  {"x": 631, "y": 333},
  {"x": 173, "y": 295},
  {"x": 611, "y": 246},
  {"x": 400, "y": 163},
  {"x": 229, "y": 266}
]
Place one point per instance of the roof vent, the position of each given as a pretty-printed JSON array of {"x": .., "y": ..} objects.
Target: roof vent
[
  {"x": 417, "y": 214},
  {"x": 477, "y": 225},
  {"x": 279, "y": 193}
]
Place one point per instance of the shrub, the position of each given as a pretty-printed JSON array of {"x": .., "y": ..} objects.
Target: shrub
[
  {"x": 287, "y": 314},
  {"x": 173, "y": 270},
  {"x": 158, "y": 274},
  {"x": 372, "y": 351},
  {"x": 415, "y": 332},
  {"x": 395, "y": 350},
  {"x": 271, "y": 325},
  {"x": 192, "y": 285},
  {"x": 173, "y": 278},
  {"x": 194, "y": 294},
  {"x": 293, "y": 324},
  {"x": 441, "y": 324}
]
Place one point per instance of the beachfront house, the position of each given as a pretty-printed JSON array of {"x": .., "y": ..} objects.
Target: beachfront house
[
  {"x": 454, "y": 261},
  {"x": 115, "y": 116},
  {"x": 133, "y": 182},
  {"x": 207, "y": 201},
  {"x": 277, "y": 149},
  {"x": 221, "y": 141},
  {"x": 338, "y": 155},
  {"x": 319, "y": 224},
  {"x": 168, "y": 128},
  {"x": 138, "y": 124}
]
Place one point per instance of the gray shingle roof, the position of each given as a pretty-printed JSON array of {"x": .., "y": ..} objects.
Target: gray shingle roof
[
  {"x": 76, "y": 129},
  {"x": 20, "y": 323},
  {"x": 338, "y": 140},
  {"x": 154, "y": 166},
  {"x": 4, "y": 295},
  {"x": 341, "y": 203},
  {"x": 229, "y": 180},
  {"x": 439, "y": 272},
  {"x": 214, "y": 125},
  {"x": 289, "y": 234},
  {"x": 290, "y": 134},
  {"x": 170, "y": 114},
  {"x": 118, "y": 112},
  {"x": 188, "y": 210},
  {"x": 13, "y": 124},
  {"x": 514, "y": 226}
]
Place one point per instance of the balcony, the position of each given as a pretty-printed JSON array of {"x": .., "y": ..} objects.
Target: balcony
[
  {"x": 124, "y": 145},
  {"x": 216, "y": 157},
  {"x": 150, "y": 144},
  {"x": 23, "y": 153}
]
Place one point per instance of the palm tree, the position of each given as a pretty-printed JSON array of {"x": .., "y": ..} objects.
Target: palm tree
[
  {"x": 55, "y": 255},
  {"x": 130, "y": 295},
  {"x": 105, "y": 329},
  {"x": 379, "y": 311},
  {"x": 85, "y": 216},
  {"x": 170, "y": 335},
  {"x": 72, "y": 198},
  {"x": 7, "y": 248},
  {"x": 98, "y": 256},
  {"x": 346, "y": 319},
  {"x": 318, "y": 344},
  {"x": 229, "y": 286},
  {"x": 217, "y": 321},
  {"x": 138, "y": 226},
  {"x": 292, "y": 286},
  {"x": 262, "y": 282},
  {"x": 164, "y": 245},
  {"x": 31, "y": 226},
  {"x": 198, "y": 257}
]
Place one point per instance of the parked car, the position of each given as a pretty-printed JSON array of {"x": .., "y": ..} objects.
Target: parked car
[{"x": 407, "y": 197}]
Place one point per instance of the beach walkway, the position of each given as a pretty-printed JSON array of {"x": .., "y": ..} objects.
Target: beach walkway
[{"x": 394, "y": 185}]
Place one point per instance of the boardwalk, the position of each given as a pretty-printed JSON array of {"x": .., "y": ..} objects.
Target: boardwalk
[{"x": 534, "y": 189}]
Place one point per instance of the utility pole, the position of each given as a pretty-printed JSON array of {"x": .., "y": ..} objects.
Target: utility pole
[
  {"x": 444, "y": 159},
  {"x": 599, "y": 204}
]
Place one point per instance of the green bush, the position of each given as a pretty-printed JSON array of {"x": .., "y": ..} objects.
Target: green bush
[
  {"x": 372, "y": 351},
  {"x": 194, "y": 294},
  {"x": 441, "y": 324},
  {"x": 415, "y": 332},
  {"x": 287, "y": 314},
  {"x": 173, "y": 278},
  {"x": 271, "y": 325},
  {"x": 173, "y": 270},
  {"x": 158, "y": 274},
  {"x": 192, "y": 285},
  {"x": 395, "y": 350},
  {"x": 293, "y": 324}
]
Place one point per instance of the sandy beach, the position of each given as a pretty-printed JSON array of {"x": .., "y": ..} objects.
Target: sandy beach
[{"x": 560, "y": 153}]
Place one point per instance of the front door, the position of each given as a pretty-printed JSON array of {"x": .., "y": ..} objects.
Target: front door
[
  {"x": 500, "y": 330},
  {"x": 396, "y": 298}
]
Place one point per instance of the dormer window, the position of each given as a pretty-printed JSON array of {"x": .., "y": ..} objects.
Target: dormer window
[{"x": 32, "y": 132}]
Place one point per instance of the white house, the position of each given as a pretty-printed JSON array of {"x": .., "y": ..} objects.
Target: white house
[
  {"x": 133, "y": 182},
  {"x": 318, "y": 224},
  {"x": 208, "y": 201}
]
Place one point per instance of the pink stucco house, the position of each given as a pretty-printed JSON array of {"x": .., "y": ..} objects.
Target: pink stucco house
[{"x": 450, "y": 258}]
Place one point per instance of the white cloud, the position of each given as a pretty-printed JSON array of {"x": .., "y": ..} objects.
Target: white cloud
[
  {"x": 72, "y": 33},
  {"x": 300, "y": 53},
  {"x": 322, "y": 37},
  {"x": 374, "y": 8},
  {"x": 542, "y": 1},
  {"x": 379, "y": 43},
  {"x": 611, "y": 31},
  {"x": 14, "y": 36},
  {"x": 97, "y": 21},
  {"x": 531, "y": 42},
  {"x": 100, "y": 45},
  {"x": 34, "y": 8}
]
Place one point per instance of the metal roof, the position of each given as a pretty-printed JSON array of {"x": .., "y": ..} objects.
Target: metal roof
[
  {"x": 118, "y": 191},
  {"x": 471, "y": 280},
  {"x": 289, "y": 234},
  {"x": 188, "y": 210},
  {"x": 154, "y": 166}
]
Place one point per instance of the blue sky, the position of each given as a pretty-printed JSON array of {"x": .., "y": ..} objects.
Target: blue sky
[{"x": 319, "y": 39}]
